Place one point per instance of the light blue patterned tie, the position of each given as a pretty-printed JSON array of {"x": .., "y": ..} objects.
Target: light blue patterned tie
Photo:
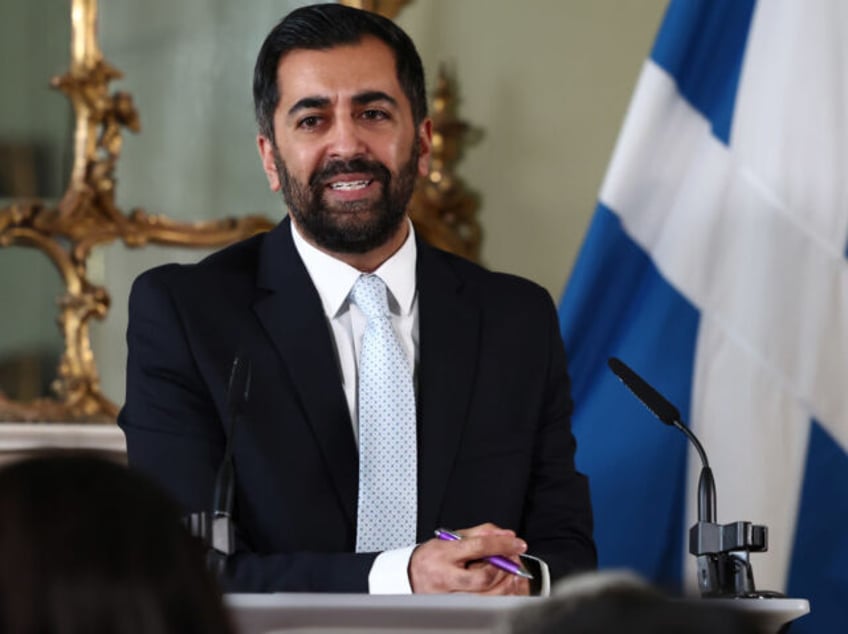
[{"x": 388, "y": 459}]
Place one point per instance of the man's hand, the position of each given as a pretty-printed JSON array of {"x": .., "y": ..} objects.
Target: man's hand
[{"x": 457, "y": 566}]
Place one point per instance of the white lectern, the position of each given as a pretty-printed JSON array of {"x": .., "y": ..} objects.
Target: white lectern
[
  {"x": 358, "y": 614},
  {"x": 773, "y": 614},
  {"x": 422, "y": 614}
]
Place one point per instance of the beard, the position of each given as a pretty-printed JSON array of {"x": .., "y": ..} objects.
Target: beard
[{"x": 349, "y": 226}]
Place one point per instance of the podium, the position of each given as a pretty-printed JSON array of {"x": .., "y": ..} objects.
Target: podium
[
  {"x": 772, "y": 614},
  {"x": 19, "y": 440},
  {"x": 291, "y": 613},
  {"x": 361, "y": 613}
]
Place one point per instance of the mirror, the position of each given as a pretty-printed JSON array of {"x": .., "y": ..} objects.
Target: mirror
[
  {"x": 189, "y": 67},
  {"x": 30, "y": 342},
  {"x": 36, "y": 140},
  {"x": 87, "y": 215},
  {"x": 36, "y": 122}
]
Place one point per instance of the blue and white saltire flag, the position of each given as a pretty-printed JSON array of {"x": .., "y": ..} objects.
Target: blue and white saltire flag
[{"x": 716, "y": 267}]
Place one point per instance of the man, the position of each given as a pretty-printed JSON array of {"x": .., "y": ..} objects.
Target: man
[{"x": 478, "y": 427}]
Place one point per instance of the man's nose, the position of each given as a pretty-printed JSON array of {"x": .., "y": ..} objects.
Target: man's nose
[{"x": 346, "y": 139}]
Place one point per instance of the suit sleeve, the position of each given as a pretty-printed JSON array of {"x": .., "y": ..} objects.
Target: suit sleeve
[
  {"x": 174, "y": 434},
  {"x": 558, "y": 517}
]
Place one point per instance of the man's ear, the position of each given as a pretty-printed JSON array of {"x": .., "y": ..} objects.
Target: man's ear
[
  {"x": 269, "y": 165},
  {"x": 425, "y": 145}
]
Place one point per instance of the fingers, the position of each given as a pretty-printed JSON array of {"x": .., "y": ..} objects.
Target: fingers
[
  {"x": 511, "y": 585},
  {"x": 477, "y": 546},
  {"x": 506, "y": 584},
  {"x": 438, "y": 566},
  {"x": 457, "y": 566}
]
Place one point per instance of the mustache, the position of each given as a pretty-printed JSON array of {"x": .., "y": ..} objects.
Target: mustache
[{"x": 374, "y": 169}]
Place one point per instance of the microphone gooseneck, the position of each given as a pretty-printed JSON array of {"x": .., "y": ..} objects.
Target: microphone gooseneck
[
  {"x": 215, "y": 527},
  {"x": 238, "y": 391},
  {"x": 667, "y": 413}
]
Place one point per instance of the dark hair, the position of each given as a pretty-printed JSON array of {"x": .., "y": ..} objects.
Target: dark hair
[
  {"x": 324, "y": 26},
  {"x": 89, "y": 546},
  {"x": 627, "y": 612},
  {"x": 601, "y": 602}
]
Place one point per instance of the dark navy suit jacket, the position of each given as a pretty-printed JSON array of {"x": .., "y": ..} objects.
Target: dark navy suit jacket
[{"x": 494, "y": 437}]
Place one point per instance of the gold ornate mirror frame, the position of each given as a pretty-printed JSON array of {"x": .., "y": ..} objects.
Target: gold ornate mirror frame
[{"x": 87, "y": 215}]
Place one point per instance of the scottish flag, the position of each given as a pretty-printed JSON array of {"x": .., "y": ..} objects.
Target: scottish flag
[{"x": 715, "y": 266}]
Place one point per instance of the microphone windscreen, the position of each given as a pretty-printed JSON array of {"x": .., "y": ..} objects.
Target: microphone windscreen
[{"x": 653, "y": 400}]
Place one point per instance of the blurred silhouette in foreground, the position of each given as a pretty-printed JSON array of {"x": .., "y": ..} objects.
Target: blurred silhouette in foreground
[
  {"x": 90, "y": 547},
  {"x": 603, "y": 602}
]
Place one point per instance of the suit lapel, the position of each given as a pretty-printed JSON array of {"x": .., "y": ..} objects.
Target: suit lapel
[
  {"x": 449, "y": 340},
  {"x": 291, "y": 313}
]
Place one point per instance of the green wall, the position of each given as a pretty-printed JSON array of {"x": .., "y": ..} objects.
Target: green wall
[{"x": 549, "y": 82}]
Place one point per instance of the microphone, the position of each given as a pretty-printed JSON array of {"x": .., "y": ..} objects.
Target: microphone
[
  {"x": 216, "y": 529},
  {"x": 668, "y": 414},
  {"x": 722, "y": 551},
  {"x": 222, "y": 499}
]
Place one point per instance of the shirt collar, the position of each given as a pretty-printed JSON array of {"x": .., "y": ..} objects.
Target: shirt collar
[{"x": 333, "y": 278}]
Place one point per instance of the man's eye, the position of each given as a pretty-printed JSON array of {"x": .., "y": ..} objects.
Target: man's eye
[
  {"x": 375, "y": 115},
  {"x": 309, "y": 122}
]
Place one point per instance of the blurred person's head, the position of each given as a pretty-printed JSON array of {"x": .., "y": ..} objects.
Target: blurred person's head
[
  {"x": 88, "y": 546},
  {"x": 599, "y": 603}
]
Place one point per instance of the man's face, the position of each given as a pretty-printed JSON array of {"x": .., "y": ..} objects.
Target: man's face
[{"x": 347, "y": 151}]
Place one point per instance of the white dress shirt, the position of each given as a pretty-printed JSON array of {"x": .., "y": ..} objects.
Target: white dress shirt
[{"x": 333, "y": 280}]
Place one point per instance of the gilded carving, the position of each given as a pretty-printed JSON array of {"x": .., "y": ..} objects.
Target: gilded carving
[
  {"x": 87, "y": 216},
  {"x": 443, "y": 211},
  {"x": 388, "y": 8}
]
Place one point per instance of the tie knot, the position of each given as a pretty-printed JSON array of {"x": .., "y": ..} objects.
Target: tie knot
[{"x": 369, "y": 293}]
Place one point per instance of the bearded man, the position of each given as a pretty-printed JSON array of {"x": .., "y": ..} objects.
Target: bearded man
[{"x": 394, "y": 388}]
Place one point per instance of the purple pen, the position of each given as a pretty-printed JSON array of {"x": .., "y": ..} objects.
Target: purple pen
[{"x": 496, "y": 560}]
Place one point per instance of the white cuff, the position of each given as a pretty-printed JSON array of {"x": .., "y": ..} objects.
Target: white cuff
[{"x": 390, "y": 572}]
